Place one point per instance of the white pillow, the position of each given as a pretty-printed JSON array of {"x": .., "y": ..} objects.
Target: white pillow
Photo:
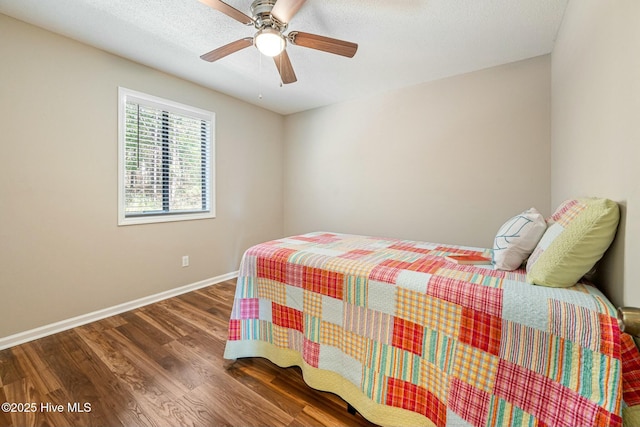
[{"x": 517, "y": 238}]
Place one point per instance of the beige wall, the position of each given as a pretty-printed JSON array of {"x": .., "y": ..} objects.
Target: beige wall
[
  {"x": 61, "y": 252},
  {"x": 596, "y": 125},
  {"x": 447, "y": 161}
]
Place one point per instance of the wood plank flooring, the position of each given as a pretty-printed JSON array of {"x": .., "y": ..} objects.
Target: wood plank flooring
[{"x": 159, "y": 365}]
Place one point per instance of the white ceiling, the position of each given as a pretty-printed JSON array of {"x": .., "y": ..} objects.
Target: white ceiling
[{"x": 401, "y": 42}]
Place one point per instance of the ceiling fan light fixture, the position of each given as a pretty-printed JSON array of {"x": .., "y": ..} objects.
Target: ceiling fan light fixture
[{"x": 269, "y": 42}]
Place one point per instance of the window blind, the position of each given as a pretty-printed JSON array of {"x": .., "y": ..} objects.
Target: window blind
[{"x": 166, "y": 157}]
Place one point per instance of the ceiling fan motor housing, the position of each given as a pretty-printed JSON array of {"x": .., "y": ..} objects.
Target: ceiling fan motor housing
[{"x": 261, "y": 11}]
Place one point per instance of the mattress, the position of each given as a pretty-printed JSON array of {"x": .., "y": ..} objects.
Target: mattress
[{"x": 409, "y": 338}]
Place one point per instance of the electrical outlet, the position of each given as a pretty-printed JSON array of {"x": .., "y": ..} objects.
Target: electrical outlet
[{"x": 185, "y": 261}]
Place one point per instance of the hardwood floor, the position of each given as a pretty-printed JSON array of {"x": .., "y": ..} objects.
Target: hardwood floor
[{"x": 159, "y": 365}]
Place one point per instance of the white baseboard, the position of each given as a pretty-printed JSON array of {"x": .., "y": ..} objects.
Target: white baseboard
[{"x": 63, "y": 325}]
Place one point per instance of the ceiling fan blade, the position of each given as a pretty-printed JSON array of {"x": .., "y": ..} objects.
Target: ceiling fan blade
[
  {"x": 231, "y": 11},
  {"x": 284, "y": 10},
  {"x": 285, "y": 68},
  {"x": 325, "y": 44},
  {"x": 227, "y": 49}
]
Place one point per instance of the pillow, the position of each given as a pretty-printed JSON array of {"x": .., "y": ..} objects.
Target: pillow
[
  {"x": 578, "y": 234},
  {"x": 517, "y": 238}
]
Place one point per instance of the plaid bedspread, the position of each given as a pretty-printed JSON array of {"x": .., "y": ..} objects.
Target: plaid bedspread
[{"x": 402, "y": 329}]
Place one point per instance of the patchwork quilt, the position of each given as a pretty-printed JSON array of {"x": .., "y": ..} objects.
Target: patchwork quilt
[{"x": 408, "y": 337}]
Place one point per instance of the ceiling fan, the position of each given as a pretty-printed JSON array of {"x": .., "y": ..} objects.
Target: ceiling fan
[{"x": 271, "y": 18}]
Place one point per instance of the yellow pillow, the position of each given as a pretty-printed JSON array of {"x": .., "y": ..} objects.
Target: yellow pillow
[{"x": 578, "y": 234}]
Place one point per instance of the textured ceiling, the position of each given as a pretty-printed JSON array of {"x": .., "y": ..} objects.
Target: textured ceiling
[{"x": 401, "y": 42}]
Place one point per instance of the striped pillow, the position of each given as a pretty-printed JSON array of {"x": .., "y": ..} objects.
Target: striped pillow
[{"x": 578, "y": 234}]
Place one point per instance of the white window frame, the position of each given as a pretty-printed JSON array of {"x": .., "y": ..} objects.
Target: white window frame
[{"x": 125, "y": 94}]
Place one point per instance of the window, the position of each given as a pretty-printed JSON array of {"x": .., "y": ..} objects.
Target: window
[{"x": 166, "y": 160}]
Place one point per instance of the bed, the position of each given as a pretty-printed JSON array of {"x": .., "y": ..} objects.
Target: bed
[{"x": 407, "y": 337}]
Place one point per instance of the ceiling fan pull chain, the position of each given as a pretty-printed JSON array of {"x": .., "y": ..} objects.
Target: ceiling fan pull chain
[{"x": 259, "y": 76}]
